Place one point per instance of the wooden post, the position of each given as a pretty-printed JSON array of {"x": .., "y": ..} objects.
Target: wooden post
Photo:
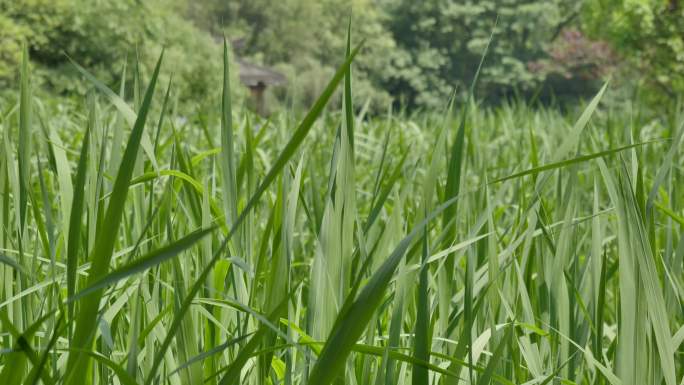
[{"x": 257, "y": 92}]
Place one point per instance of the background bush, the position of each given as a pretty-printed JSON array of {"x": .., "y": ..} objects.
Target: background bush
[
  {"x": 649, "y": 35},
  {"x": 416, "y": 53},
  {"x": 101, "y": 36}
]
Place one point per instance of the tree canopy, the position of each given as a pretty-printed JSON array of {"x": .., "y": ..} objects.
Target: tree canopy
[{"x": 417, "y": 53}]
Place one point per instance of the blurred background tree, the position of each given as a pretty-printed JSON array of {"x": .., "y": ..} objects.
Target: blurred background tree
[
  {"x": 416, "y": 53},
  {"x": 648, "y": 34},
  {"x": 444, "y": 40},
  {"x": 101, "y": 36}
]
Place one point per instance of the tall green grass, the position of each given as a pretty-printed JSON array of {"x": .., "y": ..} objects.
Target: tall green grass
[{"x": 512, "y": 245}]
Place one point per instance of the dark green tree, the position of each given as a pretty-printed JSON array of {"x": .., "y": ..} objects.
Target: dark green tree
[{"x": 442, "y": 41}]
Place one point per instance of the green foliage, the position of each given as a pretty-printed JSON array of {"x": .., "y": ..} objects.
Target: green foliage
[
  {"x": 273, "y": 33},
  {"x": 417, "y": 52},
  {"x": 442, "y": 42},
  {"x": 10, "y": 47},
  {"x": 558, "y": 265},
  {"x": 102, "y": 35},
  {"x": 650, "y": 36},
  {"x": 546, "y": 246}
]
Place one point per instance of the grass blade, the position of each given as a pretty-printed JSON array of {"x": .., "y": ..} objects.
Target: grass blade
[
  {"x": 75, "y": 221},
  {"x": 143, "y": 263},
  {"x": 24, "y": 136},
  {"x": 104, "y": 244},
  {"x": 351, "y": 323},
  {"x": 565, "y": 163},
  {"x": 287, "y": 153}
]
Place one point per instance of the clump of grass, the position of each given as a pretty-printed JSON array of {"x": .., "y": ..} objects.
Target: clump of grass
[{"x": 473, "y": 246}]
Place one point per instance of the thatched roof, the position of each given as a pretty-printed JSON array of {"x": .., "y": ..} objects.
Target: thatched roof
[{"x": 252, "y": 75}]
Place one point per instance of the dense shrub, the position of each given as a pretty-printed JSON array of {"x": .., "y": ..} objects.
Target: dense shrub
[
  {"x": 649, "y": 34},
  {"x": 416, "y": 53},
  {"x": 101, "y": 36},
  {"x": 444, "y": 40}
]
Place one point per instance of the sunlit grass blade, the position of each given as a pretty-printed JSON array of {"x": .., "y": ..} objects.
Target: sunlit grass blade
[
  {"x": 13, "y": 264},
  {"x": 422, "y": 339},
  {"x": 75, "y": 222},
  {"x": 665, "y": 166},
  {"x": 22, "y": 352},
  {"x": 24, "y": 153},
  {"x": 232, "y": 376},
  {"x": 299, "y": 135},
  {"x": 227, "y": 146},
  {"x": 285, "y": 155},
  {"x": 120, "y": 372},
  {"x": 215, "y": 350},
  {"x": 37, "y": 372},
  {"x": 348, "y": 106},
  {"x": 126, "y": 111},
  {"x": 495, "y": 359},
  {"x": 104, "y": 244},
  {"x": 565, "y": 163},
  {"x": 351, "y": 322},
  {"x": 143, "y": 263}
]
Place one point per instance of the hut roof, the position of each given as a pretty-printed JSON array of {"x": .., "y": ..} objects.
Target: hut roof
[{"x": 252, "y": 74}]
